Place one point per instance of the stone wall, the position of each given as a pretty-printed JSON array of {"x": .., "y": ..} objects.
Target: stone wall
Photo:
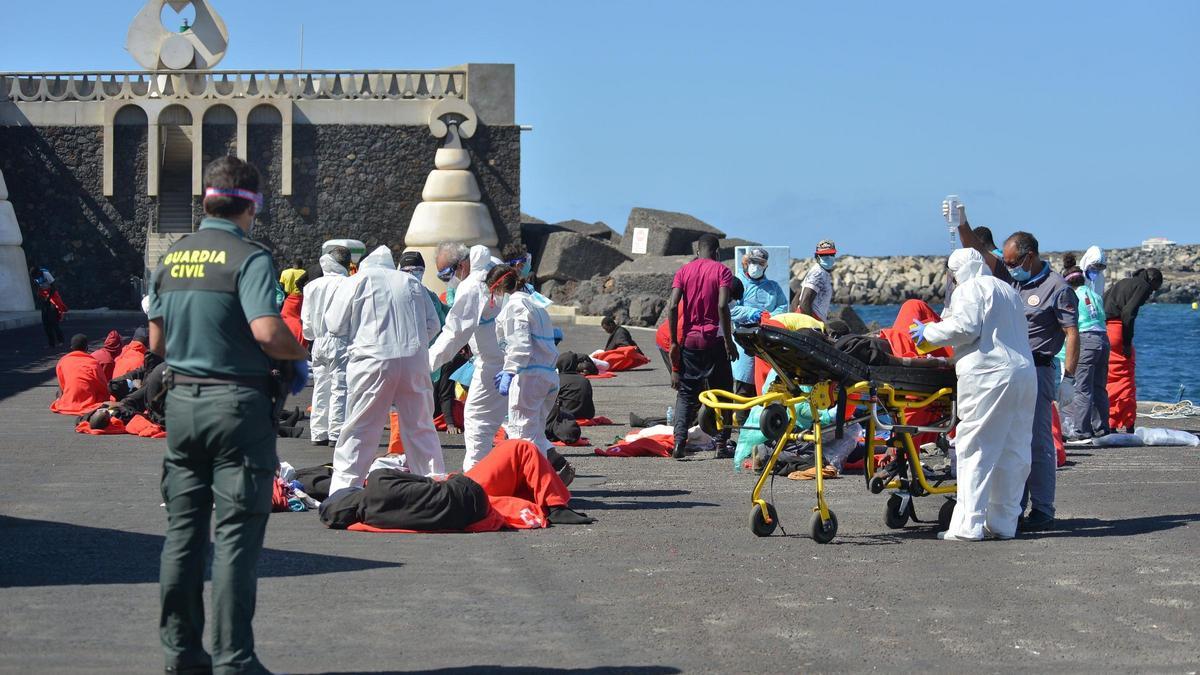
[
  {"x": 892, "y": 280},
  {"x": 361, "y": 182},
  {"x": 93, "y": 244}
]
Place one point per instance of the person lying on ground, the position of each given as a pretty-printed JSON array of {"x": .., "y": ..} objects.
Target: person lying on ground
[
  {"x": 81, "y": 382},
  {"x": 395, "y": 499}
]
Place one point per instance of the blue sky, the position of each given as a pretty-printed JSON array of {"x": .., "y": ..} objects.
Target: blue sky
[{"x": 785, "y": 122}]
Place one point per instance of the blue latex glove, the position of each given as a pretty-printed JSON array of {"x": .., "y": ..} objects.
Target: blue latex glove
[
  {"x": 300, "y": 378},
  {"x": 503, "y": 381},
  {"x": 917, "y": 331}
]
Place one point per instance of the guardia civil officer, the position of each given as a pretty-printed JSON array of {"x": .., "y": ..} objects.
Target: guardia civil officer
[{"x": 213, "y": 316}]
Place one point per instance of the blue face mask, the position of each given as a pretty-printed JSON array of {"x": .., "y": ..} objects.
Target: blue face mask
[
  {"x": 826, "y": 262},
  {"x": 755, "y": 271},
  {"x": 1093, "y": 275}
]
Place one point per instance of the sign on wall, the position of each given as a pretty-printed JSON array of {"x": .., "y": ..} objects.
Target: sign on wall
[{"x": 641, "y": 237}]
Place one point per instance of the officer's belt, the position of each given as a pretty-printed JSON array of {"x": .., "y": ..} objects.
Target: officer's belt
[{"x": 262, "y": 382}]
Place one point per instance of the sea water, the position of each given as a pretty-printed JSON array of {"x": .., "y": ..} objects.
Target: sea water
[{"x": 1167, "y": 340}]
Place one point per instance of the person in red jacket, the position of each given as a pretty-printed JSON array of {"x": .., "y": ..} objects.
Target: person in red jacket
[
  {"x": 133, "y": 356},
  {"x": 107, "y": 355},
  {"x": 81, "y": 382}
]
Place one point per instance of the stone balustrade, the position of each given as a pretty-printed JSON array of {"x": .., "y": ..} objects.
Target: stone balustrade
[{"x": 297, "y": 85}]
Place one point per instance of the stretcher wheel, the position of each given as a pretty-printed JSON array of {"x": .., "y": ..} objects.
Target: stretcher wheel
[
  {"x": 773, "y": 422},
  {"x": 759, "y": 526},
  {"x": 893, "y": 517},
  {"x": 823, "y": 532},
  {"x": 707, "y": 419},
  {"x": 878, "y": 483},
  {"x": 945, "y": 513}
]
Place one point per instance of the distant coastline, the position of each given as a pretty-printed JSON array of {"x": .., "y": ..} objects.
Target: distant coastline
[{"x": 889, "y": 280}]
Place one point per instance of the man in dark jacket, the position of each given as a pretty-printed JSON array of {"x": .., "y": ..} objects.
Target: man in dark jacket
[
  {"x": 618, "y": 336},
  {"x": 1122, "y": 301}
]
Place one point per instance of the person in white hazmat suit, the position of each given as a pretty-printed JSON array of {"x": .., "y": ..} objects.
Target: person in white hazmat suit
[
  {"x": 388, "y": 319},
  {"x": 997, "y": 388},
  {"x": 528, "y": 378},
  {"x": 472, "y": 320},
  {"x": 330, "y": 353},
  {"x": 1093, "y": 263}
]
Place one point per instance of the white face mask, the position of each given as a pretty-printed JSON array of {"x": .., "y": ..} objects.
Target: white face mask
[
  {"x": 453, "y": 283},
  {"x": 755, "y": 271}
]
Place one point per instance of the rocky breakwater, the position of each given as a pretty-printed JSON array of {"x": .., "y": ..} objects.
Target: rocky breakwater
[
  {"x": 592, "y": 267},
  {"x": 892, "y": 280}
]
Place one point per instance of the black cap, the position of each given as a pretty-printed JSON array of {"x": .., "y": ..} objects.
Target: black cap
[
  {"x": 79, "y": 342},
  {"x": 411, "y": 259}
]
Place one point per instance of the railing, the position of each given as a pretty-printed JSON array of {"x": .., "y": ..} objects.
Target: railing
[{"x": 234, "y": 84}]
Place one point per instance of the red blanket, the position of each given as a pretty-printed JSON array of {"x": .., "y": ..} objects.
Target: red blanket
[
  {"x": 510, "y": 513},
  {"x": 138, "y": 426},
  {"x": 650, "y": 446},
  {"x": 623, "y": 358},
  {"x": 82, "y": 384},
  {"x": 115, "y": 426},
  {"x": 594, "y": 422}
]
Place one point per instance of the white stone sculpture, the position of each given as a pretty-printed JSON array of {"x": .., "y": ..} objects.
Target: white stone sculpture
[
  {"x": 450, "y": 209},
  {"x": 200, "y": 47},
  {"x": 16, "y": 295}
]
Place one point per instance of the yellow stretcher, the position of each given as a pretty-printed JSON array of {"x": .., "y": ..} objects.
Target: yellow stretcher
[{"x": 836, "y": 379}]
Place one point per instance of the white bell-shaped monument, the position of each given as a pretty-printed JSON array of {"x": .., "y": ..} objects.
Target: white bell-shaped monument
[
  {"x": 16, "y": 295},
  {"x": 450, "y": 210}
]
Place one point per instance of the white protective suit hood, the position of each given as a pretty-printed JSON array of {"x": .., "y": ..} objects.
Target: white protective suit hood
[
  {"x": 380, "y": 257},
  {"x": 1094, "y": 255},
  {"x": 330, "y": 267},
  {"x": 481, "y": 259},
  {"x": 967, "y": 263}
]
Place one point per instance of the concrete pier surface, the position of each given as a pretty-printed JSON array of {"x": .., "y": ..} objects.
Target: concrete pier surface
[{"x": 669, "y": 580}]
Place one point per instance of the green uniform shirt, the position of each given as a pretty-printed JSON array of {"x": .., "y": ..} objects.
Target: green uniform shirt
[{"x": 208, "y": 331}]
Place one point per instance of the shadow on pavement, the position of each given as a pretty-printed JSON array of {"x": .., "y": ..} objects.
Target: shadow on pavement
[
  {"x": 46, "y": 553},
  {"x": 1099, "y": 527},
  {"x": 525, "y": 669},
  {"x": 586, "y": 499}
]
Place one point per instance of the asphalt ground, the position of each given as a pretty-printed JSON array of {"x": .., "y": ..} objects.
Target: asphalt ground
[{"x": 669, "y": 580}]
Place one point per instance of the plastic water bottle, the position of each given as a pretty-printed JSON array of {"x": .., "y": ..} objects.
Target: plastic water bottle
[
  {"x": 952, "y": 203},
  {"x": 1179, "y": 398},
  {"x": 670, "y": 415}
]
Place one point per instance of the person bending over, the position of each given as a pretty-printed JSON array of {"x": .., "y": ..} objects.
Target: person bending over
[
  {"x": 1121, "y": 304},
  {"x": 388, "y": 320}
]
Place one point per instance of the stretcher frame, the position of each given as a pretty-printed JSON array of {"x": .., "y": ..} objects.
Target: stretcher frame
[{"x": 898, "y": 402}]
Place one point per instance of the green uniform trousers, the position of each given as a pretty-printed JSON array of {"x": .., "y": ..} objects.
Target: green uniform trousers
[{"x": 220, "y": 448}]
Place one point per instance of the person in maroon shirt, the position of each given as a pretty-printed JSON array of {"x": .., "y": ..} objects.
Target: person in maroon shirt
[{"x": 701, "y": 338}]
